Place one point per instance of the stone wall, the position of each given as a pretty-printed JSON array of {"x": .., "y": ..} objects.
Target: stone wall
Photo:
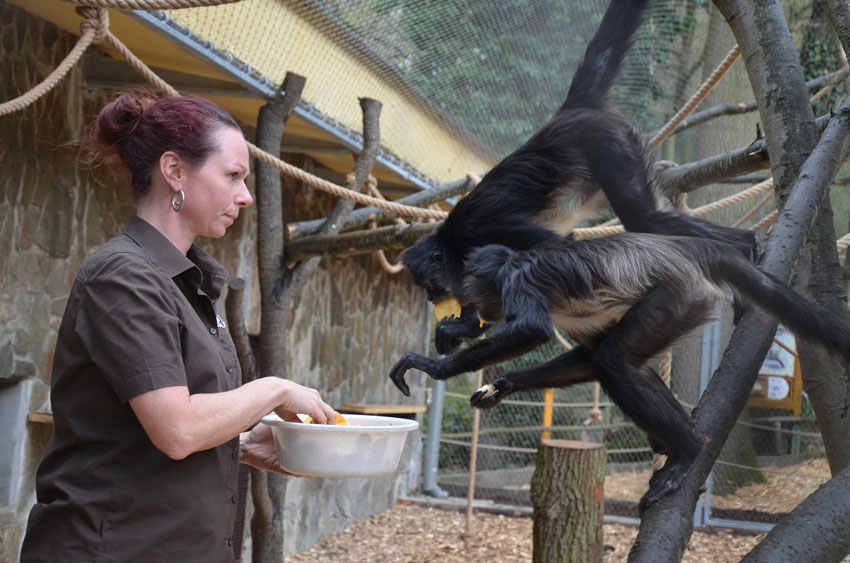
[{"x": 350, "y": 325}]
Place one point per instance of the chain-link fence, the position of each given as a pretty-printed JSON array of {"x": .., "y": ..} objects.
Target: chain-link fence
[{"x": 772, "y": 461}]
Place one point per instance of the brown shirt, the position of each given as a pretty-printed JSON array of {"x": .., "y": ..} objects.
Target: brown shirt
[{"x": 141, "y": 316}]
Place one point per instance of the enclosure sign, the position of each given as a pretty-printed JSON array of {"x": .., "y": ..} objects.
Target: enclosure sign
[{"x": 779, "y": 385}]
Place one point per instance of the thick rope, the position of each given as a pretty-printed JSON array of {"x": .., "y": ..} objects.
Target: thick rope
[
  {"x": 150, "y": 4},
  {"x": 697, "y": 98},
  {"x": 733, "y": 199},
  {"x": 339, "y": 191},
  {"x": 92, "y": 30},
  {"x": 95, "y": 28},
  {"x": 748, "y": 215},
  {"x": 390, "y": 268},
  {"x": 767, "y": 220}
]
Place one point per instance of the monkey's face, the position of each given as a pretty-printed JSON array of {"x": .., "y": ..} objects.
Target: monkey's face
[{"x": 429, "y": 263}]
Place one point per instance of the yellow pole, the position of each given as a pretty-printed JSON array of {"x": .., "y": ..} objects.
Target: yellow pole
[{"x": 548, "y": 400}]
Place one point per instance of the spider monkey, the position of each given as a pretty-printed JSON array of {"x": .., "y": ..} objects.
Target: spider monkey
[
  {"x": 625, "y": 299},
  {"x": 584, "y": 156}
]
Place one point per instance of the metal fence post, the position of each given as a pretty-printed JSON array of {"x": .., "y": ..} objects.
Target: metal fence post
[{"x": 432, "y": 441}]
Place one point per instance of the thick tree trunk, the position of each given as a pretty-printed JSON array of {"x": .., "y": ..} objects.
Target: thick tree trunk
[
  {"x": 825, "y": 377},
  {"x": 780, "y": 91},
  {"x": 569, "y": 501},
  {"x": 270, "y": 499}
]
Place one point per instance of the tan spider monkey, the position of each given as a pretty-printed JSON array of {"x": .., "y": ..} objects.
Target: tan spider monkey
[{"x": 625, "y": 298}]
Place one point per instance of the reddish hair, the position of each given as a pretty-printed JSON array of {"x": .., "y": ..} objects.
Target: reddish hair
[{"x": 138, "y": 127}]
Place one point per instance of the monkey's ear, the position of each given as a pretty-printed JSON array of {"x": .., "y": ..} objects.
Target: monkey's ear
[{"x": 437, "y": 257}]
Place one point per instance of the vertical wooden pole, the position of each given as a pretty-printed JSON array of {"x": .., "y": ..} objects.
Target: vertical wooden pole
[{"x": 473, "y": 457}]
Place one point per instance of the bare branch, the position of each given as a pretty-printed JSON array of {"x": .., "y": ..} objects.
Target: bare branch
[
  {"x": 839, "y": 13},
  {"x": 394, "y": 237},
  {"x": 744, "y": 160},
  {"x": 237, "y": 330},
  {"x": 746, "y": 107},
  {"x": 362, "y": 168},
  {"x": 362, "y": 217}
]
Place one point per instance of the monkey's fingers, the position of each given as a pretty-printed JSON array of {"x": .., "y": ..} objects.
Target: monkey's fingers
[{"x": 397, "y": 376}]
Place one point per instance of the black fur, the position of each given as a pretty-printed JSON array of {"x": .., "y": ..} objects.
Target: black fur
[
  {"x": 565, "y": 172},
  {"x": 625, "y": 299}
]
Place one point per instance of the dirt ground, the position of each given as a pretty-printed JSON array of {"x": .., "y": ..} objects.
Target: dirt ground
[{"x": 415, "y": 533}]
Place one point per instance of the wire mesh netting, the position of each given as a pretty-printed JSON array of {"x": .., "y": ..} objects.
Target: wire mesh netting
[
  {"x": 773, "y": 460},
  {"x": 497, "y": 71}
]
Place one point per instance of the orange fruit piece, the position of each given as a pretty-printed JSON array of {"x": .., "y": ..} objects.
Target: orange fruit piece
[
  {"x": 447, "y": 309},
  {"x": 340, "y": 420}
]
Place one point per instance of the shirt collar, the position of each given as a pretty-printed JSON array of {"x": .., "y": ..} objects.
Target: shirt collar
[{"x": 200, "y": 269}]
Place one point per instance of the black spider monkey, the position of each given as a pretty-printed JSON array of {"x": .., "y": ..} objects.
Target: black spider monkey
[
  {"x": 625, "y": 299},
  {"x": 584, "y": 155}
]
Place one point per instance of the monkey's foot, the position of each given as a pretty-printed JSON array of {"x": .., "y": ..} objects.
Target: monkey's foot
[
  {"x": 489, "y": 395},
  {"x": 662, "y": 483}
]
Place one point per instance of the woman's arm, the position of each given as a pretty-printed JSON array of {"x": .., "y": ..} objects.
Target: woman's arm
[{"x": 180, "y": 424}]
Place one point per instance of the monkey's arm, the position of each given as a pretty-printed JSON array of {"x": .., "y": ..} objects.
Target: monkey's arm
[
  {"x": 528, "y": 325},
  {"x": 448, "y": 333}
]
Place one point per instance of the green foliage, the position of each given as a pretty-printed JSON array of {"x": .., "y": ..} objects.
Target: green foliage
[
  {"x": 501, "y": 69},
  {"x": 819, "y": 55}
]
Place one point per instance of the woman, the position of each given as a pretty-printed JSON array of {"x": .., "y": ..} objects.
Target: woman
[{"x": 149, "y": 417}]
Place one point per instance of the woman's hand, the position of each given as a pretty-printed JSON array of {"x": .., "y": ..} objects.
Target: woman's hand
[
  {"x": 257, "y": 449},
  {"x": 299, "y": 399}
]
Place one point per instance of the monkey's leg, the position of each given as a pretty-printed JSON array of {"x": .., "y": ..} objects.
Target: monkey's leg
[
  {"x": 567, "y": 369},
  {"x": 620, "y": 164},
  {"x": 644, "y": 331}
]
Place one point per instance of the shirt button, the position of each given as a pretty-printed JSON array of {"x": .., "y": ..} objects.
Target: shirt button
[
  {"x": 232, "y": 455},
  {"x": 229, "y": 369},
  {"x": 233, "y": 499},
  {"x": 213, "y": 330}
]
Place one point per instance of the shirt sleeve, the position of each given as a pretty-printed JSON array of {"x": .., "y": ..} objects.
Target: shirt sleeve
[{"x": 128, "y": 322}]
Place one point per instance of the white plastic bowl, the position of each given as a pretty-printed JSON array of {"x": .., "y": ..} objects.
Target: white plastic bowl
[{"x": 370, "y": 447}]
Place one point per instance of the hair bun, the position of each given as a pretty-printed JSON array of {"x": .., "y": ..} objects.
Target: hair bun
[{"x": 119, "y": 118}]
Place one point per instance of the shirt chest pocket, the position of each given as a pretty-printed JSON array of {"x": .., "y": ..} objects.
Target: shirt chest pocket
[{"x": 208, "y": 355}]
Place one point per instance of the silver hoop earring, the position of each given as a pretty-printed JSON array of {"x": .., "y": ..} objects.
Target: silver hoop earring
[{"x": 177, "y": 200}]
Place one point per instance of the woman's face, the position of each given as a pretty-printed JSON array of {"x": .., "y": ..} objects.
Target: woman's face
[{"x": 216, "y": 190}]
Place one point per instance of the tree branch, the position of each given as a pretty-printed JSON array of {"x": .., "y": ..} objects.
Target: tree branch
[
  {"x": 744, "y": 160},
  {"x": 394, "y": 237},
  {"x": 814, "y": 531},
  {"x": 237, "y": 330},
  {"x": 839, "y": 13},
  {"x": 362, "y": 217},
  {"x": 362, "y": 168},
  {"x": 746, "y": 107}
]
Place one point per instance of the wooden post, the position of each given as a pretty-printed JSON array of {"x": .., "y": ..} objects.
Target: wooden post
[
  {"x": 569, "y": 501},
  {"x": 473, "y": 459}
]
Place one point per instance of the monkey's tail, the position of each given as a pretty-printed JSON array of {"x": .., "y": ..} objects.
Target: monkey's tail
[
  {"x": 801, "y": 316},
  {"x": 604, "y": 54}
]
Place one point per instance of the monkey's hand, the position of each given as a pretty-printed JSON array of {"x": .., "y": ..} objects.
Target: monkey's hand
[
  {"x": 434, "y": 368},
  {"x": 449, "y": 332}
]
